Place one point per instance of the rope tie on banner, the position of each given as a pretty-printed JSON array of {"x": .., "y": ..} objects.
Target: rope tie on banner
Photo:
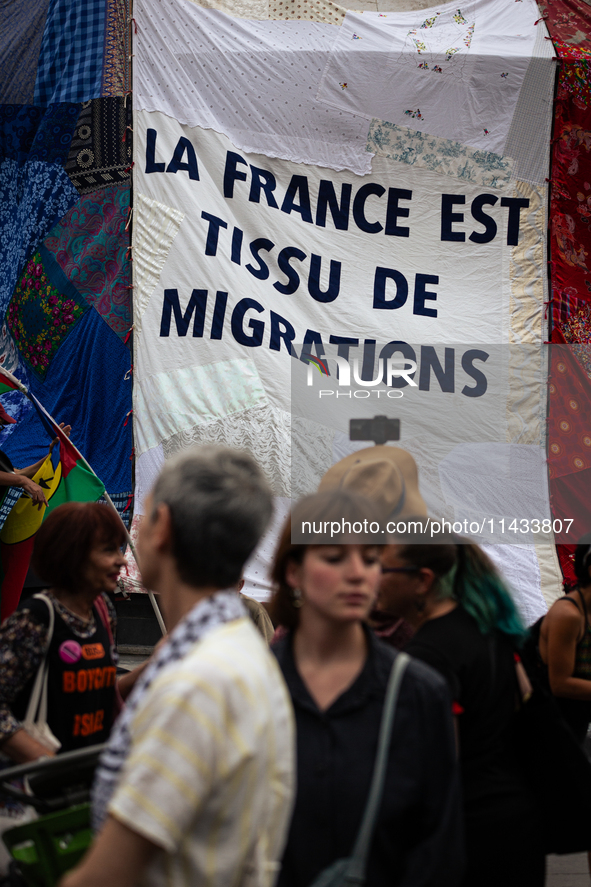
[
  {"x": 549, "y": 302},
  {"x": 134, "y": 25},
  {"x": 127, "y": 376},
  {"x": 128, "y": 254},
  {"x": 129, "y": 215},
  {"x": 129, "y": 501},
  {"x": 128, "y": 127},
  {"x": 132, "y": 456},
  {"x": 130, "y": 413},
  {"x": 125, "y": 98},
  {"x": 129, "y": 168},
  {"x": 129, "y": 331},
  {"x": 543, "y": 18}
]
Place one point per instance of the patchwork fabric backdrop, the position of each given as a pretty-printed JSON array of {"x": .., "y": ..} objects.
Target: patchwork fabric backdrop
[
  {"x": 304, "y": 176},
  {"x": 332, "y": 182},
  {"x": 65, "y": 183}
]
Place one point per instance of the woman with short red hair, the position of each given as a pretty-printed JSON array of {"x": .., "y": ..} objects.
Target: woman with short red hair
[{"x": 70, "y": 625}]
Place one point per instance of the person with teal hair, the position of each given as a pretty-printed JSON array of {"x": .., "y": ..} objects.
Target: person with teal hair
[{"x": 468, "y": 628}]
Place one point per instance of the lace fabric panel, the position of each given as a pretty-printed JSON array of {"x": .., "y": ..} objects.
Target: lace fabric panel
[
  {"x": 274, "y": 439},
  {"x": 155, "y": 227}
]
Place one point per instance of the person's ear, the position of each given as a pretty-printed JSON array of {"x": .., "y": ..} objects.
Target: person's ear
[
  {"x": 293, "y": 573},
  {"x": 162, "y": 528},
  {"x": 427, "y": 580}
]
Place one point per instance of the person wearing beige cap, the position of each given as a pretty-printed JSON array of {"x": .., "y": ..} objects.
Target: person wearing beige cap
[{"x": 388, "y": 476}]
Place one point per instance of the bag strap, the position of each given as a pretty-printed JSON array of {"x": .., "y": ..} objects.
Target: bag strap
[
  {"x": 356, "y": 868},
  {"x": 103, "y": 612},
  {"x": 38, "y": 701}
]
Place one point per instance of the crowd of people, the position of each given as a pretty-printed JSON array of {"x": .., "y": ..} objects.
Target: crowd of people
[{"x": 229, "y": 762}]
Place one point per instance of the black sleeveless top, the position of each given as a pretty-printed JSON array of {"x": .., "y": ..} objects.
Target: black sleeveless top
[
  {"x": 576, "y": 712},
  {"x": 81, "y": 681}
]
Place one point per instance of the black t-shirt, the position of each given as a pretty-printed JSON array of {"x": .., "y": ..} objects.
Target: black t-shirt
[
  {"x": 81, "y": 681},
  {"x": 480, "y": 671}
]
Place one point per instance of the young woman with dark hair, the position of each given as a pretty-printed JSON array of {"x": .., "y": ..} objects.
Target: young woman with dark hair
[
  {"x": 78, "y": 553},
  {"x": 337, "y": 673},
  {"x": 467, "y": 627}
]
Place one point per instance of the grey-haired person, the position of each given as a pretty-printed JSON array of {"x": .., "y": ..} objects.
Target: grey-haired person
[{"x": 195, "y": 787}]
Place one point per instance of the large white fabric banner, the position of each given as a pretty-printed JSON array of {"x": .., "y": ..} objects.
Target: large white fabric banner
[{"x": 286, "y": 206}]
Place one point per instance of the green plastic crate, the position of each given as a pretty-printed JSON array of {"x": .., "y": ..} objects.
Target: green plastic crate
[{"x": 49, "y": 846}]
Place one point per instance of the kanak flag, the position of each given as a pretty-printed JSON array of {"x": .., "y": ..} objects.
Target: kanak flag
[
  {"x": 76, "y": 483},
  {"x": 67, "y": 479}
]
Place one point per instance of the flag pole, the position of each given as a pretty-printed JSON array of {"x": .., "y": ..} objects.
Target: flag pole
[{"x": 22, "y": 388}]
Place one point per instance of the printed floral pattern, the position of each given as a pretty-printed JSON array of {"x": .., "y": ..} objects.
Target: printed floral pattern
[
  {"x": 577, "y": 332},
  {"x": 570, "y": 206},
  {"x": 40, "y": 317},
  {"x": 90, "y": 245},
  {"x": 441, "y": 155},
  {"x": 32, "y": 198},
  {"x": 568, "y": 20}
]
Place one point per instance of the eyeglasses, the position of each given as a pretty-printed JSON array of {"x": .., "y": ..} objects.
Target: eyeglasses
[{"x": 410, "y": 569}]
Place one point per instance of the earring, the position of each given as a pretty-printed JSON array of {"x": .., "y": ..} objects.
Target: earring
[
  {"x": 296, "y": 598},
  {"x": 420, "y": 604}
]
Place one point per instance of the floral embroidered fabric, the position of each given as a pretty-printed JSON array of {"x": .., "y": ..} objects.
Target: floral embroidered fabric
[{"x": 40, "y": 315}]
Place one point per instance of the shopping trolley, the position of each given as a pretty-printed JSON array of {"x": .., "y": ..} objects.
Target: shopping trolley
[{"x": 59, "y": 790}]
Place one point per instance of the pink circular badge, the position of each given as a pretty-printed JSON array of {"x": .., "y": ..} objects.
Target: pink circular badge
[{"x": 70, "y": 651}]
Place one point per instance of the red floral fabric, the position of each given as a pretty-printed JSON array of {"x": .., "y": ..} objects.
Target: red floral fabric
[
  {"x": 570, "y": 202},
  {"x": 569, "y": 449},
  {"x": 568, "y": 21}
]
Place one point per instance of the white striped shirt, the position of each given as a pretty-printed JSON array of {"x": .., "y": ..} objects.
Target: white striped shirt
[{"x": 210, "y": 773}]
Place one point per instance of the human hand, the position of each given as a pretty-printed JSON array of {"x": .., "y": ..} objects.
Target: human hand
[
  {"x": 34, "y": 491},
  {"x": 67, "y": 429}
]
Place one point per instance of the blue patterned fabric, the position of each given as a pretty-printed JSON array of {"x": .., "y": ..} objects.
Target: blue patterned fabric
[
  {"x": 71, "y": 59},
  {"x": 84, "y": 386},
  {"x": 33, "y": 198},
  {"x": 21, "y": 31},
  {"x": 35, "y": 190},
  {"x": 30, "y": 133}
]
